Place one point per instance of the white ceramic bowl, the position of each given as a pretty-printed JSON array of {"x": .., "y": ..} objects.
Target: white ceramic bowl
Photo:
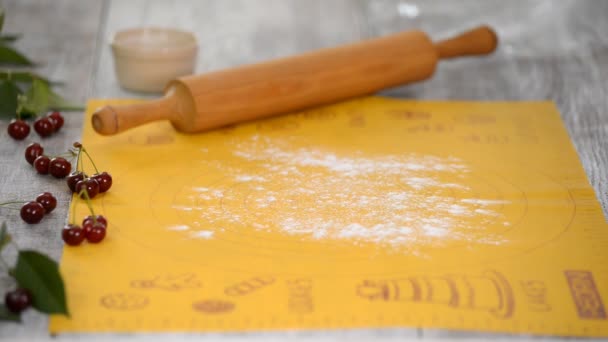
[{"x": 146, "y": 59}]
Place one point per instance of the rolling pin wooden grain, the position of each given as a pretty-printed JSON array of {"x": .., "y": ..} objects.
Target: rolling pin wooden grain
[{"x": 198, "y": 103}]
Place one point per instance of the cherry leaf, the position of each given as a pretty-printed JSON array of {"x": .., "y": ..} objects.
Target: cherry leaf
[
  {"x": 35, "y": 99},
  {"x": 5, "y": 238},
  {"x": 24, "y": 77},
  {"x": 40, "y": 98},
  {"x": 40, "y": 275},
  {"x": 10, "y": 56},
  {"x": 8, "y": 99},
  {"x": 9, "y": 38},
  {"x": 1, "y": 17}
]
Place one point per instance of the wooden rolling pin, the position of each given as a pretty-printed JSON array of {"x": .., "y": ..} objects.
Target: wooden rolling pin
[{"x": 201, "y": 102}]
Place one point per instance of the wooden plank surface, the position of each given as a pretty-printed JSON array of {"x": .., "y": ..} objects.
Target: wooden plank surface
[
  {"x": 549, "y": 50},
  {"x": 61, "y": 35}
]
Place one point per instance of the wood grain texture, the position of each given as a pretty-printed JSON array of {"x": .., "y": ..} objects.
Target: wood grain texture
[
  {"x": 198, "y": 103},
  {"x": 553, "y": 50},
  {"x": 214, "y": 99}
]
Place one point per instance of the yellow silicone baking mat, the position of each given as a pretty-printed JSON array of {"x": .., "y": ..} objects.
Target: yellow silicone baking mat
[{"x": 371, "y": 213}]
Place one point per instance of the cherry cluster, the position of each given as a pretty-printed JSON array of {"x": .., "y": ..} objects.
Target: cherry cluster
[
  {"x": 33, "y": 211},
  {"x": 78, "y": 181},
  {"x": 93, "y": 229},
  {"x": 19, "y": 129},
  {"x": 58, "y": 167}
]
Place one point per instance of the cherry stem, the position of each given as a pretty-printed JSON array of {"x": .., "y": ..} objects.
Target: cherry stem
[
  {"x": 91, "y": 159},
  {"x": 81, "y": 162},
  {"x": 11, "y": 202},
  {"x": 87, "y": 201},
  {"x": 64, "y": 155},
  {"x": 74, "y": 213},
  {"x": 12, "y": 208},
  {"x": 78, "y": 163}
]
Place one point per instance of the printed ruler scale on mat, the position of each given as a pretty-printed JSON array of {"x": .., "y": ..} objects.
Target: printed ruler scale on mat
[{"x": 370, "y": 213}]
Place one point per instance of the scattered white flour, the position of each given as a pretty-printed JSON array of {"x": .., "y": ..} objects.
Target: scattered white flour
[
  {"x": 202, "y": 234},
  {"x": 249, "y": 178},
  {"x": 288, "y": 161},
  {"x": 179, "y": 227},
  {"x": 402, "y": 201},
  {"x": 182, "y": 207},
  {"x": 484, "y": 201}
]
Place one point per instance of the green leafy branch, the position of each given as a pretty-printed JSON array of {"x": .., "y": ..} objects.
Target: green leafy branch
[
  {"x": 24, "y": 93},
  {"x": 8, "y": 55},
  {"x": 40, "y": 275},
  {"x": 24, "y": 77}
]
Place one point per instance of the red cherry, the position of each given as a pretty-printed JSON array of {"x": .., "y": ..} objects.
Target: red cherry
[
  {"x": 72, "y": 235},
  {"x": 18, "y": 129},
  {"x": 96, "y": 233},
  {"x": 59, "y": 167},
  {"x": 42, "y": 164},
  {"x": 44, "y": 127},
  {"x": 74, "y": 178},
  {"x": 18, "y": 300},
  {"x": 32, "y": 151},
  {"x": 32, "y": 212},
  {"x": 99, "y": 218},
  {"x": 48, "y": 201},
  {"x": 88, "y": 223},
  {"x": 104, "y": 179},
  {"x": 57, "y": 119},
  {"x": 89, "y": 185}
]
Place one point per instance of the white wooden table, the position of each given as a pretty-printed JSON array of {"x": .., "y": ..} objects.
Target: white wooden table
[{"x": 549, "y": 50}]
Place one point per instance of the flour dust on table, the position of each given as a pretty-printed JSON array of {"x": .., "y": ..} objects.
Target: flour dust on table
[{"x": 397, "y": 201}]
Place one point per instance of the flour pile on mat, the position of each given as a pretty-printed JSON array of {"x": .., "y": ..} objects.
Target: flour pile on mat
[{"x": 395, "y": 200}]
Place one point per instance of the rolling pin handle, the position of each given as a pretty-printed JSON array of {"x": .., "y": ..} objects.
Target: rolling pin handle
[
  {"x": 110, "y": 120},
  {"x": 479, "y": 41}
]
